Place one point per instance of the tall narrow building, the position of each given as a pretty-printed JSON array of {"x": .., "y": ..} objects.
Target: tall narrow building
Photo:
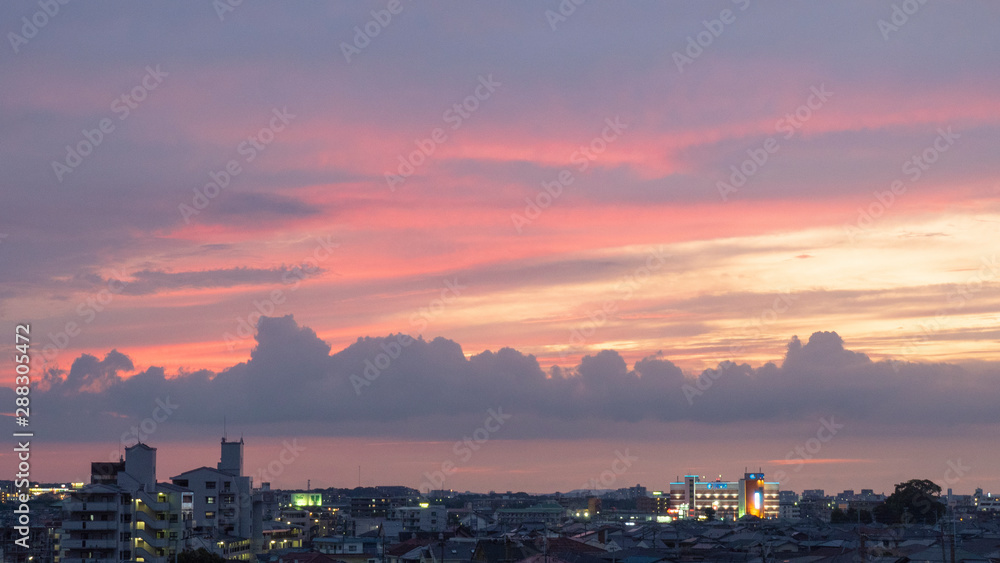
[{"x": 223, "y": 503}]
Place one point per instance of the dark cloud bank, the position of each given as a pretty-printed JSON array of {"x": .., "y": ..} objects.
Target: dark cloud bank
[{"x": 396, "y": 385}]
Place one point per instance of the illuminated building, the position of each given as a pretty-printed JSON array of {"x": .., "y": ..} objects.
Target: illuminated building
[
  {"x": 423, "y": 518},
  {"x": 658, "y": 503},
  {"x": 61, "y": 491},
  {"x": 124, "y": 514},
  {"x": 753, "y": 494},
  {"x": 730, "y": 500},
  {"x": 307, "y": 499}
]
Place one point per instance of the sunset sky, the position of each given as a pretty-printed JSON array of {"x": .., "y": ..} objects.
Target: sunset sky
[{"x": 574, "y": 210}]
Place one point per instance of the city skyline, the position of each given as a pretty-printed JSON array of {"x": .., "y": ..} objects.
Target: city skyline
[
  {"x": 596, "y": 485},
  {"x": 508, "y": 243}
]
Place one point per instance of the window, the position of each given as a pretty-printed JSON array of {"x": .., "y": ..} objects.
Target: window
[
  {"x": 181, "y": 482},
  {"x": 225, "y": 485},
  {"x": 209, "y": 500},
  {"x": 209, "y": 484},
  {"x": 209, "y": 515}
]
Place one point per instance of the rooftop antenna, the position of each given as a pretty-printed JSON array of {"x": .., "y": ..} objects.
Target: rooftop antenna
[{"x": 224, "y": 435}]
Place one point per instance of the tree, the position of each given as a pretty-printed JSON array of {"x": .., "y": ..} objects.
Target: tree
[
  {"x": 913, "y": 501},
  {"x": 850, "y": 516},
  {"x": 201, "y": 555},
  {"x": 709, "y": 513}
]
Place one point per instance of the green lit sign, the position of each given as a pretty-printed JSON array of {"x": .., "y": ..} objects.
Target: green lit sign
[{"x": 307, "y": 499}]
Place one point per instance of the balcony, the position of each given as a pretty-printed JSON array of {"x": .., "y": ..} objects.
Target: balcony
[
  {"x": 76, "y": 506},
  {"x": 108, "y": 543},
  {"x": 109, "y": 559},
  {"x": 96, "y": 525}
]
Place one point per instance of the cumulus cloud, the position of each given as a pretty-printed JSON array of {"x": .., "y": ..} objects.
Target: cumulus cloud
[{"x": 398, "y": 384}]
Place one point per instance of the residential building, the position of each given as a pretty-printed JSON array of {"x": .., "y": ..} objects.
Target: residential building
[
  {"x": 548, "y": 513},
  {"x": 423, "y": 518},
  {"x": 124, "y": 514},
  {"x": 224, "y": 501},
  {"x": 658, "y": 503}
]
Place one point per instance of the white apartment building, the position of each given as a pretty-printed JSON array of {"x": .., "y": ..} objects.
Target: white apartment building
[{"x": 125, "y": 515}]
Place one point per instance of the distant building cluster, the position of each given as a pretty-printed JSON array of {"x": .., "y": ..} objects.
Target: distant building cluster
[
  {"x": 125, "y": 515},
  {"x": 751, "y": 495}
]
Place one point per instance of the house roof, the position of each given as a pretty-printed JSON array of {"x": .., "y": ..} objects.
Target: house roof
[
  {"x": 569, "y": 545},
  {"x": 202, "y": 468},
  {"x": 407, "y": 546},
  {"x": 307, "y": 557}
]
